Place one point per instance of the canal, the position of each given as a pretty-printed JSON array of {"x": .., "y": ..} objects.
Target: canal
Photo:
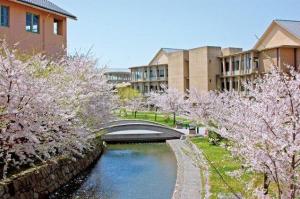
[{"x": 130, "y": 171}]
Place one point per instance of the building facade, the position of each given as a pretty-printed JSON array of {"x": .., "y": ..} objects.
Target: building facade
[
  {"x": 149, "y": 78},
  {"x": 118, "y": 76},
  {"x": 216, "y": 68},
  {"x": 34, "y": 25},
  {"x": 169, "y": 66}
]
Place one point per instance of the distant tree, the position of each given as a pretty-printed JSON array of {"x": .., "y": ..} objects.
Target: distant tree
[
  {"x": 170, "y": 101},
  {"x": 136, "y": 104},
  {"x": 152, "y": 100},
  {"x": 199, "y": 105},
  {"x": 125, "y": 94}
]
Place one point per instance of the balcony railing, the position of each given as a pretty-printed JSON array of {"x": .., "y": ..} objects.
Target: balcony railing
[{"x": 150, "y": 79}]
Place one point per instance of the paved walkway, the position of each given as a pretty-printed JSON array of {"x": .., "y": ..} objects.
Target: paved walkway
[{"x": 188, "y": 183}]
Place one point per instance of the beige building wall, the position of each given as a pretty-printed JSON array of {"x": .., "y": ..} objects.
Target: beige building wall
[
  {"x": 214, "y": 67},
  {"x": 297, "y": 65},
  {"x": 230, "y": 51},
  {"x": 276, "y": 36},
  {"x": 267, "y": 59},
  {"x": 161, "y": 58},
  {"x": 198, "y": 70},
  {"x": 204, "y": 67},
  {"x": 281, "y": 57},
  {"x": 287, "y": 58},
  {"x": 178, "y": 70}
]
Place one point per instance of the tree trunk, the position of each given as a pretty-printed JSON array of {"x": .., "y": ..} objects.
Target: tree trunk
[
  {"x": 155, "y": 114},
  {"x": 174, "y": 119},
  {"x": 135, "y": 114},
  {"x": 292, "y": 185},
  {"x": 266, "y": 184}
]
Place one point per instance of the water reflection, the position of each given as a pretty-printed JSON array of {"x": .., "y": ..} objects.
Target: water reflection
[{"x": 131, "y": 171}]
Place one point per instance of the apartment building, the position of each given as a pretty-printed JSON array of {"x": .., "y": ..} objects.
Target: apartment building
[
  {"x": 169, "y": 66},
  {"x": 216, "y": 68},
  {"x": 278, "y": 46},
  {"x": 34, "y": 25}
]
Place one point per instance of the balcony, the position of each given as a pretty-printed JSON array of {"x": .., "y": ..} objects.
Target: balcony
[
  {"x": 158, "y": 78},
  {"x": 236, "y": 72},
  {"x": 150, "y": 79}
]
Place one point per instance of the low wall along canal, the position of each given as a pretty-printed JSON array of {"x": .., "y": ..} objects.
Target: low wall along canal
[{"x": 39, "y": 182}]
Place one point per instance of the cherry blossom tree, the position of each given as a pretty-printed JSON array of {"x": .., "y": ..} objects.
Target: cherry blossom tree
[
  {"x": 199, "y": 106},
  {"x": 25, "y": 111},
  {"x": 264, "y": 126},
  {"x": 136, "y": 104},
  {"x": 44, "y": 106},
  {"x": 152, "y": 100},
  {"x": 170, "y": 101},
  {"x": 83, "y": 91}
]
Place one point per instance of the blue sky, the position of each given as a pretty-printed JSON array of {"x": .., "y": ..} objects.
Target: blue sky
[{"x": 124, "y": 33}]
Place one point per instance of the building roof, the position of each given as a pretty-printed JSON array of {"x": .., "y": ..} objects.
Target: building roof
[
  {"x": 118, "y": 70},
  {"x": 45, "y": 4},
  {"x": 291, "y": 26},
  {"x": 143, "y": 66},
  {"x": 171, "y": 50},
  {"x": 165, "y": 51}
]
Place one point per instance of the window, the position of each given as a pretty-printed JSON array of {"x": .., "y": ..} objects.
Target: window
[
  {"x": 227, "y": 66},
  {"x": 152, "y": 73},
  {"x": 4, "y": 16},
  {"x": 242, "y": 64},
  {"x": 32, "y": 23},
  {"x": 138, "y": 75},
  {"x": 145, "y": 74},
  {"x": 256, "y": 61},
  {"x": 222, "y": 86},
  {"x": 227, "y": 84},
  {"x": 237, "y": 65},
  {"x": 161, "y": 73},
  {"x": 222, "y": 71},
  {"x": 248, "y": 61},
  {"x": 57, "y": 27}
]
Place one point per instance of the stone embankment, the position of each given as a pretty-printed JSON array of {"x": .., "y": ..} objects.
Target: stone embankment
[
  {"x": 39, "y": 182},
  {"x": 188, "y": 183}
]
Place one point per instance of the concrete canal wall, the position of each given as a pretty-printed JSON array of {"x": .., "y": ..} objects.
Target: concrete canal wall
[
  {"x": 39, "y": 182},
  {"x": 188, "y": 183}
]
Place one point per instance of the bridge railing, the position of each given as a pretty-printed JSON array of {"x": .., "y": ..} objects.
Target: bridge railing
[{"x": 121, "y": 122}]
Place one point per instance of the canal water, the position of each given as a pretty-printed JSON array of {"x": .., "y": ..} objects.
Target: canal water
[{"x": 131, "y": 171}]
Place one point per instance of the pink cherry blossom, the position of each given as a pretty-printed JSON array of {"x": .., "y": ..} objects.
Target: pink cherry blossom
[
  {"x": 49, "y": 108},
  {"x": 169, "y": 101},
  {"x": 263, "y": 123}
]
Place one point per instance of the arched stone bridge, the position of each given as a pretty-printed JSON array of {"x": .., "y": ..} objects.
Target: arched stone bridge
[{"x": 138, "y": 131}]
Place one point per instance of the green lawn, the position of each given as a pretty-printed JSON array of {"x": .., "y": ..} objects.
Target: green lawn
[
  {"x": 224, "y": 163},
  {"x": 150, "y": 116}
]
